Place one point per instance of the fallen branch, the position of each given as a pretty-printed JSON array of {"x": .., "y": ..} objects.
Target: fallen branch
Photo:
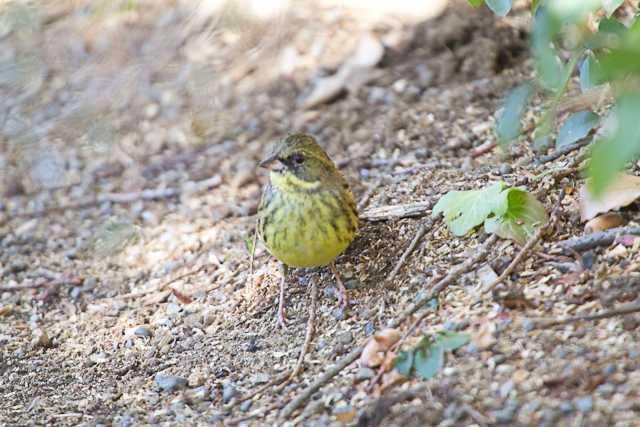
[
  {"x": 620, "y": 311},
  {"x": 161, "y": 287},
  {"x": 599, "y": 238},
  {"x": 311, "y": 328},
  {"x": 383, "y": 213},
  {"x": 440, "y": 286},
  {"x": 562, "y": 151},
  {"x": 367, "y": 195},
  {"x": 22, "y": 286},
  {"x": 416, "y": 239},
  {"x": 533, "y": 240},
  {"x": 149, "y": 194},
  {"x": 482, "y": 149}
]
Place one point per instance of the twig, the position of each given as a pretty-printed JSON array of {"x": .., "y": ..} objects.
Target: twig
[
  {"x": 253, "y": 251},
  {"x": 482, "y": 149},
  {"x": 564, "y": 150},
  {"x": 587, "y": 100},
  {"x": 311, "y": 328},
  {"x": 383, "y": 213},
  {"x": 367, "y": 195},
  {"x": 275, "y": 381},
  {"x": 533, "y": 240},
  {"x": 161, "y": 287},
  {"x": 149, "y": 194},
  {"x": 22, "y": 286},
  {"x": 440, "y": 286},
  {"x": 599, "y": 238},
  {"x": 416, "y": 239},
  {"x": 620, "y": 311}
]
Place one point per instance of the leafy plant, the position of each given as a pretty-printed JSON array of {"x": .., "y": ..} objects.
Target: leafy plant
[
  {"x": 607, "y": 57},
  {"x": 511, "y": 213},
  {"x": 427, "y": 357}
]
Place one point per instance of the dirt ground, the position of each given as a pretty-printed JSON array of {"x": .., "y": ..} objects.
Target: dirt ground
[{"x": 139, "y": 309}]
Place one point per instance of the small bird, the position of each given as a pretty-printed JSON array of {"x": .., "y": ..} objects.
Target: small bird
[{"x": 307, "y": 215}]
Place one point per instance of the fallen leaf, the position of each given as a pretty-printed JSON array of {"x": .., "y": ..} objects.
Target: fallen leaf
[
  {"x": 387, "y": 337},
  {"x": 624, "y": 190},
  {"x": 604, "y": 222},
  {"x": 372, "y": 354},
  {"x": 182, "y": 297}
]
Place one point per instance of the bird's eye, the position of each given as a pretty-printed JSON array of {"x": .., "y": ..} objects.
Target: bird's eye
[{"x": 297, "y": 158}]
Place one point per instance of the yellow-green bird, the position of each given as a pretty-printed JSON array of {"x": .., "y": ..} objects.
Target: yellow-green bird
[{"x": 307, "y": 215}]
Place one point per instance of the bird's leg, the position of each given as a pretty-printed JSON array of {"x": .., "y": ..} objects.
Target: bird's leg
[
  {"x": 282, "y": 317},
  {"x": 342, "y": 291}
]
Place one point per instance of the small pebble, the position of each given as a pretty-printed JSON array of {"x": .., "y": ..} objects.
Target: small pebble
[
  {"x": 584, "y": 404},
  {"x": 246, "y": 405},
  {"x": 142, "y": 331},
  {"x": 369, "y": 329},
  {"x": 505, "y": 169},
  {"x": 363, "y": 374},
  {"x": 228, "y": 392},
  {"x": 566, "y": 408},
  {"x": 199, "y": 394},
  {"x": 338, "y": 313},
  {"x": 170, "y": 382},
  {"x": 260, "y": 378},
  {"x": 345, "y": 338},
  {"x": 610, "y": 369}
]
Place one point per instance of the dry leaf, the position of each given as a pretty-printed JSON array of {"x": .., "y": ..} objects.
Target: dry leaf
[
  {"x": 604, "y": 222},
  {"x": 622, "y": 192},
  {"x": 372, "y": 354},
  {"x": 353, "y": 73},
  {"x": 386, "y": 338},
  {"x": 182, "y": 297}
]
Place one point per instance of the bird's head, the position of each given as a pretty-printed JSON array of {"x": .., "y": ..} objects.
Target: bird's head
[{"x": 301, "y": 156}]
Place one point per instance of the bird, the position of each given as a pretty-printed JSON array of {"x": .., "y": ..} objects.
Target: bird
[{"x": 307, "y": 215}]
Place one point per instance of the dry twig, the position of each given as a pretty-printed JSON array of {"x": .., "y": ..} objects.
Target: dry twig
[
  {"x": 562, "y": 151},
  {"x": 620, "y": 311},
  {"x": 599, "y": 238},
  {"x": 383, "y": 213},
  {"x": 149, "y": 194},
  {"x": 416, "y": 239},
  {"x": 367, "y": 195},
  {"x": 311, "y": 328}
]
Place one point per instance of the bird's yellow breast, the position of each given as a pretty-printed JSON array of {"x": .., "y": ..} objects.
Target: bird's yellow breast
[{"x": 304, "y": 224}]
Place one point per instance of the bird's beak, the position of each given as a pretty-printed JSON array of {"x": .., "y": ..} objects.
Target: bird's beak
[{"x": 272, "y": 163}]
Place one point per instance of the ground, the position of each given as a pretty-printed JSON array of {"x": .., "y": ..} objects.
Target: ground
[{"x": 141, "y": 309}]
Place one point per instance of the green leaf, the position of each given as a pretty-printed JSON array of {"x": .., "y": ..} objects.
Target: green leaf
[
  {"x": 524, "y": 215},
  {"x": 499, "y": 7},
  {"x": 612, "y": 26},
  {"x": 450, "y": 340},
  {"x": 508, "y": 125},
  {"x": 610, "y": 6},
  {"x": 404, "y": 363},
  {"x": 475, "y": 3},
  {"x": 571, "y": 11},
  {"x": 589, "y": 73},
  {"x": 576, "y": 127},
  {"x": 549, "y": 68},
  {"x": 621, "y": 145},
  {"x": 429, "y": 359},
  {"x": 464, "y": 210}
]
